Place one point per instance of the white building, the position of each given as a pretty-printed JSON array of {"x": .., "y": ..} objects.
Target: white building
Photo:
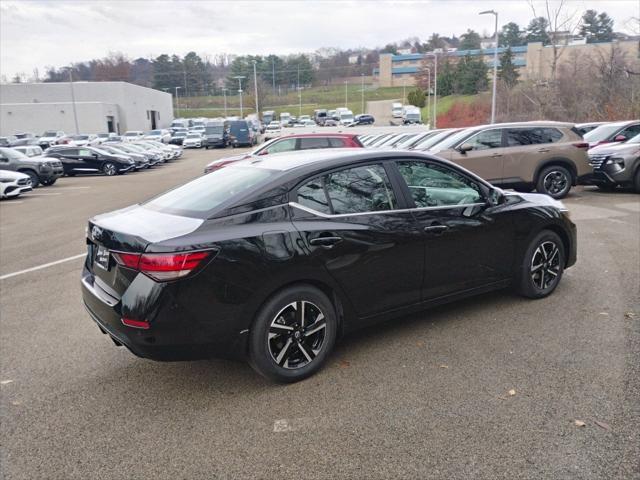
[{"x": 99, "y": 107}]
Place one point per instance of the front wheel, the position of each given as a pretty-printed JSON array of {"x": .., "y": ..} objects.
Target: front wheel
[
  {"x": 49, "y": 182},
  {"x": 636, "y": 180},
  {"x": 293, "y": 334},
  {"x": 554, "y": 181},
  {"x": 109, "y": 169},
  {"x": 542, "y": 266},
  {"x": 35, "y": 179}
]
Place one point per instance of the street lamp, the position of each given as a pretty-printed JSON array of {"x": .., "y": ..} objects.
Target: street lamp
[
  {"x": 73, "y": 100},
  {"x": 362, "y": 90},
  {"x": 299, "y": 101},
  {"x": 404, "y": 89},
  {"x": 346, "y": 83},
  {"x": 435, "y": 86},
  {"x": 240, "y": 77},
  {"x": 255, "y": 86},
  {"x": 177, "y": 102},
  {"x": 495, "y": 65},
  {"x": 224, "y": 92},
  {"x": 428, "y": 94}
]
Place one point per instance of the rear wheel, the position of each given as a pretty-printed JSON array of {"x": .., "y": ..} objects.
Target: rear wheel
[
  {"x": 554, "y": 181},
  {"x": 293, "y": 334},
  {"x": 636, "y": 180},
  {"x": 542, "y": 266},
  {"x": 109, "y": 169}
]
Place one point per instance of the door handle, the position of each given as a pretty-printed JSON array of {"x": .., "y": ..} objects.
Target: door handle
[
  {"x": 543, "y": 150},
  {"x": 436, "y": 229},
  {"x": 495, "y": 155},
  {"x": 327, "y": 242}
]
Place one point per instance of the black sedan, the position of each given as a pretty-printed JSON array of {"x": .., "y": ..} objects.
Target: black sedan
[
  {"x": 272, "y": 259},
  {"x": 364, "y": 119},
  {"x": 78, "y": 160}
]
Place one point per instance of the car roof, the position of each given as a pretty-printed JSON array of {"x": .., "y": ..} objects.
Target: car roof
[{"x": 328, "y": 134}]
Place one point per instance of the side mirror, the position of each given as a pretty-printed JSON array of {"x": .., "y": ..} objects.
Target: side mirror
[
  {"x": 264, "y": 152},
  {"x": 619, "y": 138},
  {"x": 464, "y": 148},
  {"x": 495, "y": 197}
]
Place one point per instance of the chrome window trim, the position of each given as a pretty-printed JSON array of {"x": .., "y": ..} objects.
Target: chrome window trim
[{"x": 379, "y": 212}]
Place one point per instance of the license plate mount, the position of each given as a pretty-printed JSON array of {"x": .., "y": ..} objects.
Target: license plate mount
[{"x": 102, "y": 257}]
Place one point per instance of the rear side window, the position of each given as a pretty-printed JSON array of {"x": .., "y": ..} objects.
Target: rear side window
[
  {"x": 631, "y": 131},
  {"x": 337, "y": 142},
  {"x": 532, "y": 136},
  {"x": 313, "y": 143},
  {"x": 354, "y": 190}
]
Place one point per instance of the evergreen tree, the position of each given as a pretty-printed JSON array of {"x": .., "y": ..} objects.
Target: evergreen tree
[
  {"x": 605, "y": 28},
  {"x": 507, "y": 71},
  {"x": 537, "y": 30},
  {"x": 470, "y": 40},
  {"x": 596, "y": 27},
  {"x": 417, "y": 98},
  {"x": 470, "y": 76},
  {"x": 162, "y": 73},
  {"x": 511, "y": 35},
  {"x": 446, "y": 79}
]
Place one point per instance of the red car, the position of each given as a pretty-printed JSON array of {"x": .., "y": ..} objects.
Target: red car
[{"x": 302, "y": 141}]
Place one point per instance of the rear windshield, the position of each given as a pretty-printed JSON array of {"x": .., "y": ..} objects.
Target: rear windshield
[
  {"x": 200, "y": 196},
  {"x": 237, "y": 128},
  {"x": 212, "y": 129}
]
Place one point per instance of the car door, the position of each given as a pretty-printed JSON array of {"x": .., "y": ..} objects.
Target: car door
[
  {"x": 526, "y": 149},
  {"x": 70, "y": 160},
  {"x": 468, "y": 243},
  {"x": 353, "y": 223},
  {"x": 482, "y": 153}
]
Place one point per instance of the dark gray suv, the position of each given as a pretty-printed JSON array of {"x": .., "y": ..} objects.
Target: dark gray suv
[{"x": 42, "y": 170}]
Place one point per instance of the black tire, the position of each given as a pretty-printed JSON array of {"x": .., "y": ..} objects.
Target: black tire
[
  {"x": 35, "y": 179},
  {"x": 110, "y": 169},
  {"x": 636, "y": 180},
  {"x": 524, "y": 188},
  {"x": 48, "y": 183},
  {"x": 542, "y": 266},
  {"x": 554, "y": 181},
  {"x": 281, "y": 347},
  {"x": 607, "y": 187}
]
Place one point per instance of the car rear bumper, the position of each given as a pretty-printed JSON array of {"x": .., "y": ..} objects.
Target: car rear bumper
[{"x": 175, "y": 332}]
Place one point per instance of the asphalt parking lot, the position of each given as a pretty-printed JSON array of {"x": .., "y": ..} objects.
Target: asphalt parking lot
[{"x": 490, "y": 387}]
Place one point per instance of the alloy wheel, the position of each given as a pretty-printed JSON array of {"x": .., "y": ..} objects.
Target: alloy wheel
[
  {"x": 555, "y": 182},
  {"x": 545, "y": 265},
  {"x": 296, "y": 335},
  {"x": 110, "y": 169}
]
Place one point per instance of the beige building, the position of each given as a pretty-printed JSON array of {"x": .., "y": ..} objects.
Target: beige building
[{"x": 534, "y": 60}]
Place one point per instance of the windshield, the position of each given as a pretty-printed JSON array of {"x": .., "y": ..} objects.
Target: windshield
[
  {"x": 452, "y": 140},
  {"x": 214, "y": 130},
  {"x": 80, "y": 137},
  {"x": 601, "y": 133},
  {"x": 12, "y": 154},
  {"x": 193, "y": 135},
  {"x": 209, "y": 191},
  {"x": 49, "y": 134},
  {"x": 103, "y": 135},
  {"x": 344, "y": 116},
  {"x": 155, "y": 132},
  {"x": 131, "y": 134}
]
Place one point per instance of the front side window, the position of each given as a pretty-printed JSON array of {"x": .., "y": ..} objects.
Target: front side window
[
  {"x": 433, "y": 185},
  {"x": 285, "y": 145},
  {"x": 485, "y": 140},
  {"x": 83, "y": 152},
  {"x": 630, "y": 131},
  {"x": 313, "y": 143}
]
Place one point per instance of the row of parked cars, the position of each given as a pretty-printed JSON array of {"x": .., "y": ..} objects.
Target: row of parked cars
[
  {"x": 25, "y": 167},
  {"x": 549, "y": 157}
]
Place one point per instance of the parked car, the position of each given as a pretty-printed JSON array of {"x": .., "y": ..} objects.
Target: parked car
[
  {"x": 78, "y": 160},
  {"x": 241, "y": 134},
  {"x": 193, "y": 140},
  {"x": 50, "y": 137},
  {"x": 430, "y": 142},
  {"x": 268, "y": 116},
  {"x": 547, "y": 156},
  {"x": 216, "y": 134},
  {"x": 320, "y": 115},
  {"x": 285, "y": 119},
  {"x": 396, "y": 110},
  {"x": 616, "y": 164},
  {"x": 583, "y": 128},
  {"x": 154, "y": 157},
  {"x": 364, "y": 119},
  {"x": 103, "y": 137},
  {"x": 24, "y": 138},
  {"x": 330, "y": 122},
  {"x": 134, "y": 135},
  {"x": 301, "y": 141},
  {"x": 139, "y": 159},
  {"x": 612, "y": 132},
  {"x": 273, "y": 130},
  {"x": 41, "y": 170},
  {"x": 297, "y": 250},
  {"x": 83, "y": 140},
  {"x": 160, "y": 135},
  {"x": 411, "y": 115},
  {"x": 178, "y": 137},
  {"x": 7, "y": 141},
  {"x": 409, "y": 142},
  {"x": 13, "y": 184},
  {"x": 29, "y": 150}
]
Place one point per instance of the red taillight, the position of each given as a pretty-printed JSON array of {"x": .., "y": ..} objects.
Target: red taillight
[
  {"x": 129, "y": 322},
  {"x": 162, "y": 266},
  {"x": 581, "y": 145}
]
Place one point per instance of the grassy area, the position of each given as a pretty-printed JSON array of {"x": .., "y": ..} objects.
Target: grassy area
[{"x": 444, "y": 104}]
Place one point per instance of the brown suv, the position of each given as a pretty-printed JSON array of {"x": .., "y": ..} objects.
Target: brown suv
[{"x": 547, "y": 156}]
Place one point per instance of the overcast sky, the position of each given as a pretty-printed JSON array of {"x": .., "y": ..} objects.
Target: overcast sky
[{"x": 34, "y": 34}]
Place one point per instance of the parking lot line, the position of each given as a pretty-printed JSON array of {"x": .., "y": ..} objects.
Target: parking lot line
[
  {"x": 41, "y": 194},
  {"x": 40, "y": 267}
]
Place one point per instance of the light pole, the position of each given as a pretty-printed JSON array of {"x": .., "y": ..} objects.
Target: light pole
[
  {"x": 495, "y": 66},
  {"x": 240, "y": 77},
  {"x": 299, "y": 101},
  {"x": 255, "y": 87},
  {"x": 404, "y": 88},
  {"x": 177, "y": 102},
  {"x": 73, "y": 101},
  {"x": 362, "y": 85},
  {"x": 435, "y": 86},
  {"x": 224, "y": 92},
  {"x": 346, "y": 84},
  {"x": 428, "y": 94}
]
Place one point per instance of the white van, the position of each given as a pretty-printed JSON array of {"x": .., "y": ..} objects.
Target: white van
[{"x": 396, "y": 110}]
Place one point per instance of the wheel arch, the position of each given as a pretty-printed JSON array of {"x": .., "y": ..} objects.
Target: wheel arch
[
  {"x": 566, "y": 243},
  {"x": 558, "y": 161}
]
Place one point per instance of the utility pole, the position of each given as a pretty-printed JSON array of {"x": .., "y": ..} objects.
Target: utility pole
[
  {"x": 429, "y": 95},
  {"x": 240, "y": 77},
  {"x": 404, "y": 90},
  {"x": 362, "y": 90},
  {"x": 299, "y": 93},
  {"x": 346, "y": 83},
  {"x": 495, "y": 65},
  {"x": 273, "y": 67},
  {"x": 255, "y": 85},
  {"x": 177, "y": 102},
  {"x": 435, "y": 87},
  {"x": 224, "y": 92},
  {"x": 73, "y": 101},
  {"x": 184, "y": 76}
]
